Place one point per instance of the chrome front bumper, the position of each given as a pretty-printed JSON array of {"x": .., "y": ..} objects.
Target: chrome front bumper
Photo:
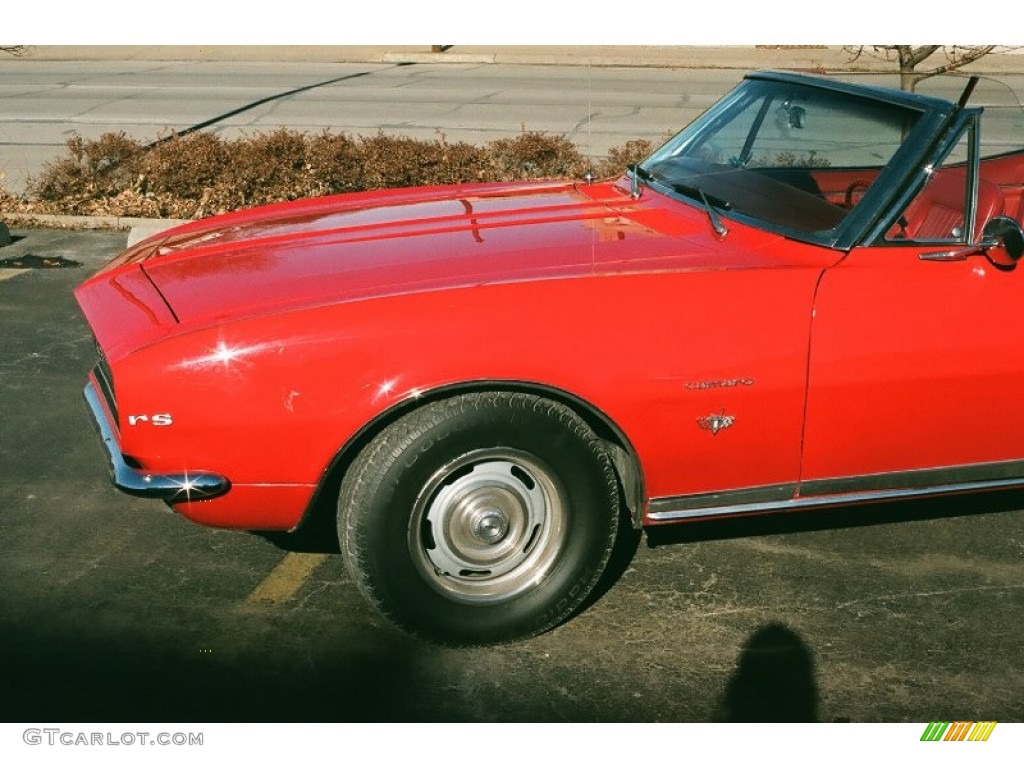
[{"x": 188, "y": 486}]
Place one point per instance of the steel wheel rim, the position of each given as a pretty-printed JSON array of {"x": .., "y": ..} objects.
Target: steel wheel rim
[{"x": 488, "y": 526}]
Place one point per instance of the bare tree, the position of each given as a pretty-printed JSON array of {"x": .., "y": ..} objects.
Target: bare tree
[{"x": 934, "y": 59}]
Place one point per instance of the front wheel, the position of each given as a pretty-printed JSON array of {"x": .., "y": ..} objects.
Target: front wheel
[{"x": 480, "y": 519}]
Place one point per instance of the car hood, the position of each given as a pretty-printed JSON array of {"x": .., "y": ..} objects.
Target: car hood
[{"x": 356, "y": 246}]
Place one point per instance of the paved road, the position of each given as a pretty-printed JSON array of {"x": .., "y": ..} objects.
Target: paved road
[
  {"x": 598, "y": 107},
  {"x": 46, "y": 101},
  {"x": 113, "y": 609}
]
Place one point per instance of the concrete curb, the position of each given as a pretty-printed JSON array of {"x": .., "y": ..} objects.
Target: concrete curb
[
  {"x": 437, "y": 58},
  {"x": 137, "y": 228}
]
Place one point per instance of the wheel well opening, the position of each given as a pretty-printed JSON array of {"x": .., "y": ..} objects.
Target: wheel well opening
[{"x": 319, "y": 518}]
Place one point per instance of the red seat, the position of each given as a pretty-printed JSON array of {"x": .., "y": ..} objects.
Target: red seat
[{"x": 937, "y": 212}]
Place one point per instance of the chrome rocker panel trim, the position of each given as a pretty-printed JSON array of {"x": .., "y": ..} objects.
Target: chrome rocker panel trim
[
  {"x": 188, "y": 486},
  {"x": 841, "y": 491}
]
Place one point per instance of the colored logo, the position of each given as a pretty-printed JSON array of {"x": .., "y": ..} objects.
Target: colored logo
[{"x": 960, "y": 731}]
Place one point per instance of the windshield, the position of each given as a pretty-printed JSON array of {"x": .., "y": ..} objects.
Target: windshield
[
  {"x": 792, "y": 157},
  {"x": 1003, "y": 114}
]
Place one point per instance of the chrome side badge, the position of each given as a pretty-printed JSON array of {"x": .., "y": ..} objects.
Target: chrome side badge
[
  {"x": 745, "y": 381},
  {"x": 156, "y": 419},
  {"x": 716, "y": 422}
]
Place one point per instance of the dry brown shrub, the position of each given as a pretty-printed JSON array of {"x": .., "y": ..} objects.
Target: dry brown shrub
[
  {"x": 622, "y": 156},
  {"x": 535, "y": 156},
  {"x": 393, "y": 161},
  {"x": 90, "y": 168},
  {"x": 334, "y": 164},
  {"x": 266, "y": 167},
  {"x": 456, "y": 163},
  {"x": 184, "y": 166},
  {"x": 202, "y": 173}
]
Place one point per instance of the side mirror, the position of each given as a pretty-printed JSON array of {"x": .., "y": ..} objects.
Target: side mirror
[{"x": 1003, "y": 239}]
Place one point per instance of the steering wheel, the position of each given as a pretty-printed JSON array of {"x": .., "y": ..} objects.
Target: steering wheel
[{"x": 861, "y": 186}]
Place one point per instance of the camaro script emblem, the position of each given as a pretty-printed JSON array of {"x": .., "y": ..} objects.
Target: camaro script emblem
[{"x": 716, "y": 422}]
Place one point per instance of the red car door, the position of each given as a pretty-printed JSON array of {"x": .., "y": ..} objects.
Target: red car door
[{"x": 915, "y": 366}]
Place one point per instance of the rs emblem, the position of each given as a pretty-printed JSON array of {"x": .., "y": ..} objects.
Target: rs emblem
[
  {"x": 716, "y": 422},
  {"x": 156, "y": 419}
]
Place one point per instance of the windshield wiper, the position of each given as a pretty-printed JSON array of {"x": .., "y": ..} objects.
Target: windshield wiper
[
  {"x": 716, "y": 223},
  {"x": 711, "y": 205}
]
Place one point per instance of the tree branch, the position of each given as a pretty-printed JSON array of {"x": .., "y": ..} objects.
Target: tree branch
[
  {"x": 917, "y": 55},
  {"x": 959, "y": 57}
]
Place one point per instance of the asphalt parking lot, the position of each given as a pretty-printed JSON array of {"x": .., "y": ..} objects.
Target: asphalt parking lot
[{"x": 114, "y": 609}]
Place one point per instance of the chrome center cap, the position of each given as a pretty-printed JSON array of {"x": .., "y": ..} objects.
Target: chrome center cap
[{"x": 489, "y": 526}]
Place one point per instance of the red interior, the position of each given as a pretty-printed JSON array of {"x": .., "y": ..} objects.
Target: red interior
[{"x": 936, "y": 211}]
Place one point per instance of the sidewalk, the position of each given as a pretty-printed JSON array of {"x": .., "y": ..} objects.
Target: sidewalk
[{"x": 744, "y": 57}]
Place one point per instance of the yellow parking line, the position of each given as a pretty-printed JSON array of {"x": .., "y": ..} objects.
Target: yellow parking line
[
  {"x": 7, "y": 274},
  {"x": 285, "y": 580}
]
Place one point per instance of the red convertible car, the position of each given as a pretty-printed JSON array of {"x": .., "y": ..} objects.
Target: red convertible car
[{"x": 807, "y": 298}]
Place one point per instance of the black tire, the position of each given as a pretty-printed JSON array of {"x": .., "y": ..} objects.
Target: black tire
[{"x": 480, "y": 519}]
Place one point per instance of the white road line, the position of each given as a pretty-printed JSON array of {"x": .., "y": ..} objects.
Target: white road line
[{"x": 7, "y": 274}]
